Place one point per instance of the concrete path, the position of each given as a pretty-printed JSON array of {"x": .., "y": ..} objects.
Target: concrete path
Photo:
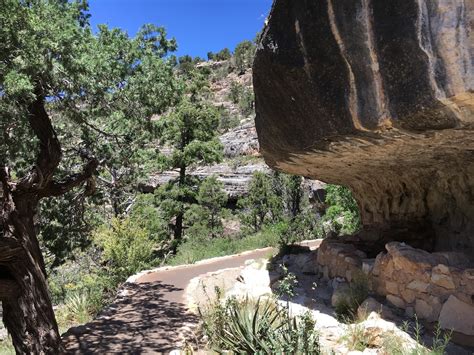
[{"x": 150, "y": 312}]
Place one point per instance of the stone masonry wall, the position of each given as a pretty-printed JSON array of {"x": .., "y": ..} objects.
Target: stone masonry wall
[{"x": 437, "y": 287}]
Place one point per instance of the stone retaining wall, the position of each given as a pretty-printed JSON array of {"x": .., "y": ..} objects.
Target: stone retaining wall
[{"x": 434, "y": 286}]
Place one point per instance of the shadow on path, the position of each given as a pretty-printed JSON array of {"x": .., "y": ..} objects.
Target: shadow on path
[{"x": 140, "y": 321}]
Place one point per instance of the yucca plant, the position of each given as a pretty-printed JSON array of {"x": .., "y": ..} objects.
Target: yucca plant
[
  {"x": 77, "y": 308},
  {"x": 257, "y": 327}
]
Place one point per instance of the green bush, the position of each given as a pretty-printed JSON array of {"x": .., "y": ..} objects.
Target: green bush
[
  {"x": 342, "y": 212},
  {"x": 206, "y": 216},
  {"x": 146, "y": 215},
  {"x": 227, "y": 121},
  {"x": 236, "y": 91},
  {"x": 247, "y": 102},
  {"x": 244, "y": 54},
  {"x": 257, "y": 327},
  {"x": 126, "y": 248}
]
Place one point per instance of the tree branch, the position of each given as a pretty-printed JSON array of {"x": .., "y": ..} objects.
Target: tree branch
[
  {"x": 58, "y": 188},
  {"x": 49, "y": 155}
]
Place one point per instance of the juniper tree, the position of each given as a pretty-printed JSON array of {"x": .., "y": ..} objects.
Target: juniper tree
[{"x": 73, "y": 106}]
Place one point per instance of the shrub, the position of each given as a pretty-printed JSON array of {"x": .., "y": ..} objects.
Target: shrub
[
  {"x": 257, "y": 327},
  {"x": 247, "y": 102},
  {"x": 223, "y": 54},
  {"x": 342, "y": 212},
  {"x": 244, "y": 54},
  {"x": 146, "y": 215},
  {"x": 77, "y": 309},
  {"x": 127, "y": 248},
  {"x": 235, "y": 92},
  {"x": 227, "y": 121},
  {"x": 211, "y": 198},
  {"x": 81, "y": 275},
  {"x": 355, "y": 338}
]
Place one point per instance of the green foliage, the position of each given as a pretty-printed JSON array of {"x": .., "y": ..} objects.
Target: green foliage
[
  {"x": 279, "y": 199},
  {"x": 286, "y": 286},
  {"x": 223, "y": 54},
  {"x": 227, "y": 120},
  {"x": 244, "y": 97},
  {"x": 100, "y": 89},
  {"x": 343, "y": 211},
  {"x": 261, "y": 205},
  {"x": 247, "y": 102},
  {"x": 66, "y": 225},
  {"x": 257, "y": 327},
  {"x": 235, "y": 92},
  {"x": 244, "y": 54},
  {"x": 76, "y": 310},
  {"x": 206, "y": 216},
  {"x": 186, "y": 63},
  {"x": 126, "y": 247},
  {"x": 147, "y": 216},
  {"x": 191, "y": 130}
]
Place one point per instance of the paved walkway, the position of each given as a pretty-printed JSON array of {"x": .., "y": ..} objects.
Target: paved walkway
[{"x": 148, "y": 317}]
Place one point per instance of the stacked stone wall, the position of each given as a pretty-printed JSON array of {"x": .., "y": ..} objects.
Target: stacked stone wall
[{"x": 437, "y": 287}]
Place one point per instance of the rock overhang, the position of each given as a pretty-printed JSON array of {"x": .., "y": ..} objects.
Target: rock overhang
[{"x": 377, "y": 96}]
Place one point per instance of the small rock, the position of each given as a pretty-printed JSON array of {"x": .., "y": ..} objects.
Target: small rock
[
  {"x": 443, "y": 280},
  {"x": 441, "y": 269},
  {"x": 408, "y": 295},
  {"x": 423, "y": 309},
  {"x": 392, "y": 287},
  {"x": 418, "y": 286},
  {"x": 396, "y": 301},
  {"x": 375, "y": 331},
  {"x": 368, "y": 266}
]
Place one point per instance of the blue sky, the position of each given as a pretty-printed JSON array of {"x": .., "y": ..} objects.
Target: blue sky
[{"x": 199, "y": 26}]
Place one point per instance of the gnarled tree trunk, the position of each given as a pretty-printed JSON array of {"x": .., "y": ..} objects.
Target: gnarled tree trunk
[{"x": 28, "y": 313}]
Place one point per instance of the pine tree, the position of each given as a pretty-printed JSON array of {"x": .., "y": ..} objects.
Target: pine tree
[{"x": 191, "y": 130}]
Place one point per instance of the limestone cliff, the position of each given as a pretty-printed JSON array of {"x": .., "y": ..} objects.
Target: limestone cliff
[{"x": 376, "y": 95}]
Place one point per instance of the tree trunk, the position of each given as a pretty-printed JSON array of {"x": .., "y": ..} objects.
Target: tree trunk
[
  {"x": 27, "y": 310},
  {"x": 27, "y": 313},
  {"x": 178, "y": 228}
]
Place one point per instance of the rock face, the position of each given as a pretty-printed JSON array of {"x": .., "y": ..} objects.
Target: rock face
[{"x": 378, "y": 96}]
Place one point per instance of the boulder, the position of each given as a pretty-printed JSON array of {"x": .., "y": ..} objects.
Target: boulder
[
  {"x": 457, "y": 316},
  {"x": 377, "y": 96}
]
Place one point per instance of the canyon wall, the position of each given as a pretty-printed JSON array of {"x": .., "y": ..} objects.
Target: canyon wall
[{"x": 378, "y": 96}]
